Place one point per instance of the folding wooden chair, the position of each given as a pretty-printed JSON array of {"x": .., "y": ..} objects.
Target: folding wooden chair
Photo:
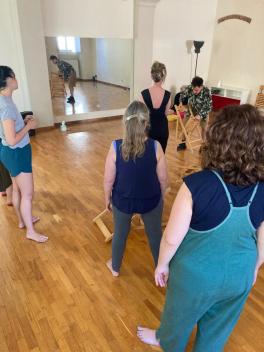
[
  {"x": 136, "y": 223},
  {"x": 57, "y": 86},
  {"x": 190, "y": 132},
  {"x": 260, "y": 98}
]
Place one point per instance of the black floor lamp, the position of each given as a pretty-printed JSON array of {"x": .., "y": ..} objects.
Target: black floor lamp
[{"x": 197, "y": 46}]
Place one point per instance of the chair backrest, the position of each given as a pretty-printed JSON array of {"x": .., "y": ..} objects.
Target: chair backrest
[{"x": 260, "y": 97}]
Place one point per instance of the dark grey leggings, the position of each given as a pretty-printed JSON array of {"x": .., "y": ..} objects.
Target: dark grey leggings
[{"x": 122, "y": 221}]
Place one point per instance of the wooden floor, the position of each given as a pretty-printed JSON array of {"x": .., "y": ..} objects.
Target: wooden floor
[
  {"x": 59, "y": 296},
  {"x": 90, "y": 96}
]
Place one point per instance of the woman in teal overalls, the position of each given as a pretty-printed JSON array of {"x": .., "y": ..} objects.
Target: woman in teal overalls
[{"x": 213, "y": 245}]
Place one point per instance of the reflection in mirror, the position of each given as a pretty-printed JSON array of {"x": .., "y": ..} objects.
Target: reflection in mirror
[{"x": 89, "y": 74}]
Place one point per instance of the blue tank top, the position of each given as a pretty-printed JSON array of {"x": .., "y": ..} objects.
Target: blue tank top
[
  {"x": 210, "y": 204},
  {"x": 136, "y": 188}
]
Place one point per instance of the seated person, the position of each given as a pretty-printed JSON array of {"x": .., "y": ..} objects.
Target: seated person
[{"x": 200, "y": 100}]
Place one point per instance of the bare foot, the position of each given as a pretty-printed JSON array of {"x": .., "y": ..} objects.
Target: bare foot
[
  {"x": 109, "y": 265},
  {"x": 35, "y": 219},
  {"x": 37, "y": 237},
  {"x": 147, "y": 336}
]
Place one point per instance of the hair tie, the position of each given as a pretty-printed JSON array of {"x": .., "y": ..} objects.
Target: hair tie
[{"x": 131, "y": 117}]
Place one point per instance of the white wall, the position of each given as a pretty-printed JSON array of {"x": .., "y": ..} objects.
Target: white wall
[
  {"x": 88, "y": 18},
  {"x": 238, "y": 48},
  {"x": 11, "y": 53},
  {"x": 87, "y": 58},
  {"x": 143, "y": 44},
  {"x": 25, "y": 54},
  {"x": 178, "y": 21},
  {"x": 51, "y": 49},
  {"x": 114, "y": 61},
  {"x": 30, "y": 19}
]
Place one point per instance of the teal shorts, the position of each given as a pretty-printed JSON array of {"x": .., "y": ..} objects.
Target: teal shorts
[{"x": 17, "y": 160}]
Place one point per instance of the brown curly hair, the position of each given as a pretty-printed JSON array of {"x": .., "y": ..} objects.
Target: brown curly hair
[{"x": 235, "y": 145}]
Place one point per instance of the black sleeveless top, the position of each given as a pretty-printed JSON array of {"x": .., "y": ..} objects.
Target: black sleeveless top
[{"x": 159, "y": 129}]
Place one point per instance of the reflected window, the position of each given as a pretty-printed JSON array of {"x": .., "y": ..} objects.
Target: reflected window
[{"x": 69, "y": 44}]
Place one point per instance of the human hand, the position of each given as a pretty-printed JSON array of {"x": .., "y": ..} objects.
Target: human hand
[
  {"x": 255, "y": 275},
  {"x": 31, "y": 123},
  {"x": 171, "y": 112},
  {"x": 108, "y": 204},
  {"x": 161, "y": 275},
  {"x": 197, "y": 117},
  {"x": 27, "y": 118}
]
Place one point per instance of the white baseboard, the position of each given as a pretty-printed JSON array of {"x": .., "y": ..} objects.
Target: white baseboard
[{"x": 89, "y": 115}]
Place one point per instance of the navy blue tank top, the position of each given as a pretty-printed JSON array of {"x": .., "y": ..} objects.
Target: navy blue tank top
[
  {"x": 136, "y": 188},
  {"x": 210, "y": 204}
]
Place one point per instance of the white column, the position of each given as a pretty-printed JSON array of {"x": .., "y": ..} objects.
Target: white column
[
  {"x": 35, "y": 60},
  {"x": 11, "y": 52},
  {"x": 143, "y": 44}
]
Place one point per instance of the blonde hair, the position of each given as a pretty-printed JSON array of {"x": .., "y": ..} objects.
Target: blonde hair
[
  {"x": 136, "y": 120},
  {"x": 158, "y": 72}
]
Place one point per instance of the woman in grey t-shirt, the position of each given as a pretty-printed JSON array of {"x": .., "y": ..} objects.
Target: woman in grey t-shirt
[{"x": 16, "y": 153}]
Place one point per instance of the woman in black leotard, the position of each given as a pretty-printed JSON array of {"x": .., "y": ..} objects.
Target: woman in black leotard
[{"x": 158, "y": 102}]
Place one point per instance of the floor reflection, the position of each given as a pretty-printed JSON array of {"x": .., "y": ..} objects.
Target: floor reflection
[{"x": 92, "y": 96}]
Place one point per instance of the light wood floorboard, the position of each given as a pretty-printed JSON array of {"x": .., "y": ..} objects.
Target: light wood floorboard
[{"x": 59, "y": 296}]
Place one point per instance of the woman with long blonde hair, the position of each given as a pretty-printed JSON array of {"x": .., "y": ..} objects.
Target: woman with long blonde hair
[{"x": 135, "y": 181}]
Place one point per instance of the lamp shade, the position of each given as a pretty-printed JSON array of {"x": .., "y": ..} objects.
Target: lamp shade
[{"x": 197, "y": 45}]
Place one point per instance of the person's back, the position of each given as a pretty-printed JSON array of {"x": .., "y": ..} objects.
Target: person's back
[
  {"x": 213, "y": 245},
  {"x": 135, "y": 182},
  {"x": 136, "y": 188},
  {"x": 211, "y": 205},
  {"x": 158, "y": 102}
]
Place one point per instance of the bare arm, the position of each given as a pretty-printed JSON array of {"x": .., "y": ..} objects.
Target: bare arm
[
  {"x": 176, "y": 229},
  {"x": 13, "y": 137},
  {"x": 141, "y": 98},
  {"x": 168, "y": 110},
  {"x": 162, "y": 171},
  {"x": 260, "y": 259},
  {"x": 109, "y": 176}
]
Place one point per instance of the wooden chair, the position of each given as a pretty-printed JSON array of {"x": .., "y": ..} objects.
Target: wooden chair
[
  {"x": 57, "y": 86},
  {"x": 190, "y": 131},
  {"x": 136, "y": 223},
  {"x": 98, "y": 220},
  {"x": 260, "y": 98}
]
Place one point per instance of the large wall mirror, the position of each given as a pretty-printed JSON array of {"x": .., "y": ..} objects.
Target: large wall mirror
[{"x": 101, "y": 70}]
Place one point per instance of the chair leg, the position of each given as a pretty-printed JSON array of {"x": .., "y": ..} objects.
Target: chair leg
[{"x": 102, "y": 227}]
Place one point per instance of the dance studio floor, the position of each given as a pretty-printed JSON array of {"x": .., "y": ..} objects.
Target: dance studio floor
[
  {"x": 59, "y": 296},
  {"x": 89, "y": 97}
]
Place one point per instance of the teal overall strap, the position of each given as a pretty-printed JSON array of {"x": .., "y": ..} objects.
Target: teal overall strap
[
  {"x": 225, "y": 188},
  {"x": 253, "y": 194}
]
